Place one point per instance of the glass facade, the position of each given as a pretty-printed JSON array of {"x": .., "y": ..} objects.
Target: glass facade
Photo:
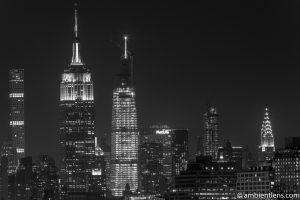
[
  {"x": 125, "y": 135},
  {"x": 211, "y": 133},
  {"x": 16, "y": 117}
]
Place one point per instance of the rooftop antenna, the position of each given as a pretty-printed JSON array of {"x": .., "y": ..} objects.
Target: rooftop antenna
[
  {"x": 125, "y": 47},
  {"x": 76, "y": 22},
  {"x": 76, "y": 59}
]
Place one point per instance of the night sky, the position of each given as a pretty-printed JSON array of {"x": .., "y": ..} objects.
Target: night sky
[{"x": 240, "y": 56}]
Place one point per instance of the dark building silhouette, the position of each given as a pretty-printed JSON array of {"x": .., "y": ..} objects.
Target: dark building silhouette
[
  {"x": 292, "y": 142},
  {"x": 104, "y": 144},
  {"x": 77, "y": 124},
  {"x": 199, "y": 146},
  {"x": 211, "y": 133},
  {"x": 287, "y": 168},
  {"x": 205, "y": 179},
  {"x": 7, "y": 166},
  {"x": 34, "y": 180},
  {"x": 151, "y": 168},
  {"x": 21, "y": 185},
  {"x": 240, "y": 156},
  {"x": 256, "y": 180},
  {"x": 180, "y": 151},
  {"x": 46, "y": 178}
]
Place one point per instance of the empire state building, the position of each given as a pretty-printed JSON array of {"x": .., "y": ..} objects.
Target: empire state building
[{"x": 77, "y": 139}]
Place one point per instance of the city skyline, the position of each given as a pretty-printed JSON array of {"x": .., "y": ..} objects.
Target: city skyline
[{"x": 168, "y": 87}]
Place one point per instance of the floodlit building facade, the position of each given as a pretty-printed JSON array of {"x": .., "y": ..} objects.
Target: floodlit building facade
[
  {"x": 16, "y": 116},
  {"x": 267, "y": 146},
  {"x": 125, "y": 134},
  {"x": 77, "y": 139}
]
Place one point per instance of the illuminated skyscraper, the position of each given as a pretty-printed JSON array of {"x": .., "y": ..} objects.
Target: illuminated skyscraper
[
  {"x": 267, "y": 146},
  {"x": 16, "y": 117},
  {"x": 211, "y": 133},
  {"x": 125, "y": 135},
  {"x": 77, "y": 138}
]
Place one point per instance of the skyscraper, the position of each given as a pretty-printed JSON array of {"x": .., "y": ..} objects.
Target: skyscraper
[
  {"x": 211, "y": 133},
  {"x": 151, "y": 168},
  {"x": 166, "y": 147},
  {"x": 161, "y": 135},
  {"x": 179, "y": 150},
  {"x": 267, "y": 146},
  {"x": 125, "y": 135},
  {"x": 16, "y": 116},
  {"x": 77, "y": 138}
]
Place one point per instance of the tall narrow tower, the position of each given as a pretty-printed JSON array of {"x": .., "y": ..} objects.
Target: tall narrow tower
[
  {"x": 16, "y": 116},
  {"x": 267, "y": 146},
  {"x": 77, "y": 138},
  {"x": 124, "y": 142},
  {"x": 211, "y": 133}
]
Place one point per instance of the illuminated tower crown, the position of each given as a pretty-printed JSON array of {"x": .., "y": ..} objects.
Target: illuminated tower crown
[{"x": 267, "y": 138}]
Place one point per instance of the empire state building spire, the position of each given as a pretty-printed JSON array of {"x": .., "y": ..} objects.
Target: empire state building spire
[{"x": 76, "y": 58}]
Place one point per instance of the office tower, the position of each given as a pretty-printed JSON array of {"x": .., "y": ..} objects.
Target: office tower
[
  {"x": 16, "y": 116},
  {"x": 238, "y": 155},
  {"x": 7, "y": 166},
  {"x": 77, "y": 140},
  {"x": 267, "y": 146},
  {"x": 125, "y": 135},
  {"x": 160, "y": 135},
  {"x": 205, "y": 179},
  {"x": 179, "y": 150},
  {"x": 211, "y": 133},
  {"x": 151, "y": 168},
  {"x": 174, "y": 153},
  {"x": 256, "y": 180},
  {"x": 287, "y": 168}
]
